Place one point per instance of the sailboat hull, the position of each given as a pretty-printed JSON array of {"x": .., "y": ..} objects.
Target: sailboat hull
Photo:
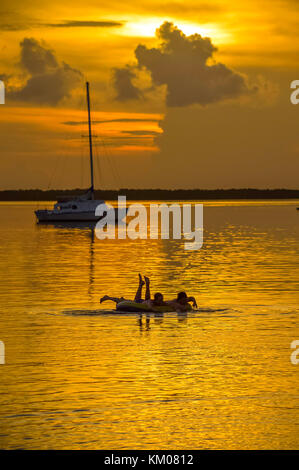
[{"x": 52, "y": 216}]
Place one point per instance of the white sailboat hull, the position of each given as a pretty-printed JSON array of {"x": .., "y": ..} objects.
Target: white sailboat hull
[{"x": 53, "y": 216}]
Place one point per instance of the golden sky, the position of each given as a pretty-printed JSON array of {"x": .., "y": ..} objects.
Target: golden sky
[{"x": 170, "y": 108}]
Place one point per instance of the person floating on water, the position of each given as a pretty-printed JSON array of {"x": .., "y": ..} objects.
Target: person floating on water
[{"x": 180, "y": 303}]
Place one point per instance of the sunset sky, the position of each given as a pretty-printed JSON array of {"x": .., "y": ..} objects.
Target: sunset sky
[{"x": 185, "y": 94}]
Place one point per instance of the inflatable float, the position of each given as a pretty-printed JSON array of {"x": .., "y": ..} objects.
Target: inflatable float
[{"x": 130, "y": 306}]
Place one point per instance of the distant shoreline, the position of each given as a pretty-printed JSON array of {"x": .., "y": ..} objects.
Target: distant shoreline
[{"x": 153, "y": 194}]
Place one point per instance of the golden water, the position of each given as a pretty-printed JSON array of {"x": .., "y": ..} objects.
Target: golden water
[{"x": 221, "y": 378}]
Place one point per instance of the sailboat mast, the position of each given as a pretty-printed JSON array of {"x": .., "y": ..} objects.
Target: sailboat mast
[{"x": 90, "y": 142}]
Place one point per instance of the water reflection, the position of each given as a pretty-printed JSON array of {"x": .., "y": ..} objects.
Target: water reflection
[
  {"x": 67, "y": 225},
  {"x": 144, "y": 319},
  {"x": 87, "y": 229},
  {"x": 91, "y": 378}
]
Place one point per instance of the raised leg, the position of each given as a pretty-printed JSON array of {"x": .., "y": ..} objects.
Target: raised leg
[
  {"x": 147, "y": 290},
  {"x": 138, "y": 295}
]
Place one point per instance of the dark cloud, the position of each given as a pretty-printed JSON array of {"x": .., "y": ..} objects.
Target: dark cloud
[
  {"x": 49, "y": 81},
  {"x": 79, "y": 123},
  {"x": 49, "y": 88},
  {"x": 125, "y": 89},
  {"x": 35, "y": 58},
  {"x": 142, "y": 133},
  {"x": 13, "y": 27},
  {"x": 128, "y": 141},
  {"x": 25, "y": 23},
  {"x": 184, "y": 64},
  {"x": 86, "y": 24}
]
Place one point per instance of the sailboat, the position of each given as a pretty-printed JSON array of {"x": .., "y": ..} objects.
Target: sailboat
[{"x": 79, "y": 208}]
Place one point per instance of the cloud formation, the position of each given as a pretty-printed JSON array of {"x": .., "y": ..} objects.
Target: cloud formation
[
  {"x": 184, "y": 64},
  {"x": 86, "y": 24},
  {"x": 11, "y": 23},
  {"x": 48, "y": 81},
  {"x": 79, "y": 123},
  {"x": 125, "y": 89}
]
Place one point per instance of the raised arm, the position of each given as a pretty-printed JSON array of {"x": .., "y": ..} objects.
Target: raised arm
[{"x": 192, "y": 299}]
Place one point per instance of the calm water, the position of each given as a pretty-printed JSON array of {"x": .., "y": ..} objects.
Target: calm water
[{"x": 221, "y": 378}]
